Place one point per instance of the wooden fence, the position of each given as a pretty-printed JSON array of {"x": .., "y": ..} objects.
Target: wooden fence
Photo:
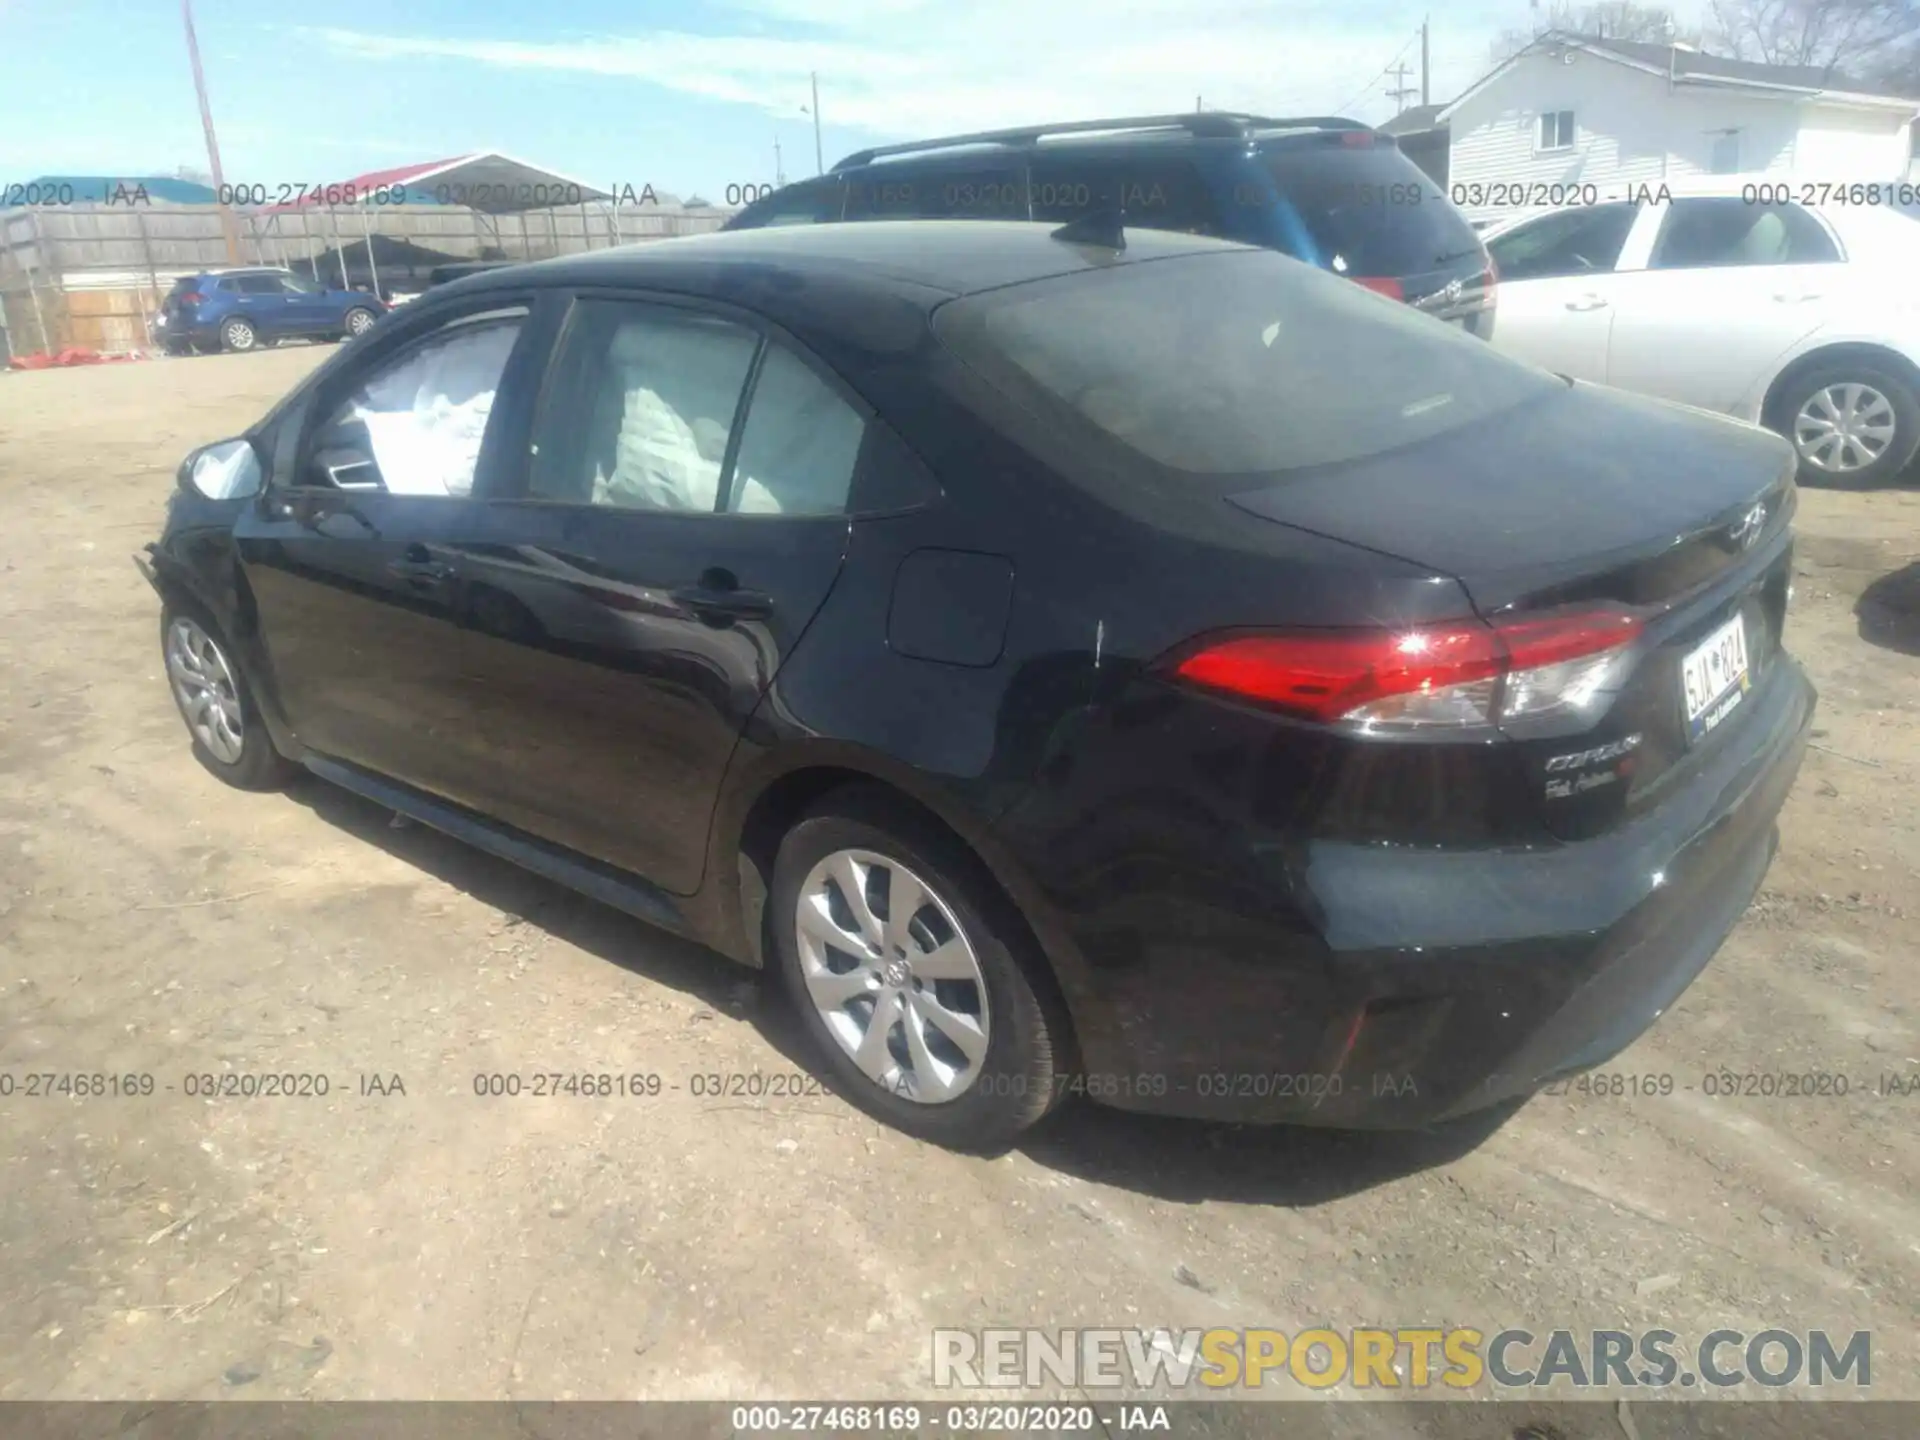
[{"x": 91, "y": 274}]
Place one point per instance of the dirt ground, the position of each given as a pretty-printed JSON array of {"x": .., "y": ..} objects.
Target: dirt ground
[{"x": 434, "y": 1244}]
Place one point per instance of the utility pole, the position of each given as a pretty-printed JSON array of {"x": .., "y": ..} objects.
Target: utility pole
[
  {"x": 819, "y": 160},
  {"x": 1424, "y": 99},
  {"x": 1401, "y": 90},
  {"x": 779, "y": 175},
  {"x": 228, "y": 230}
]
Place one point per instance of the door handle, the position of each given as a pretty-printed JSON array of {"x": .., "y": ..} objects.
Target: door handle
[
  {"x": 416, "y": 565},
  {"x": 1588, "y": 302},
  {"x": 728, "y": 603}
]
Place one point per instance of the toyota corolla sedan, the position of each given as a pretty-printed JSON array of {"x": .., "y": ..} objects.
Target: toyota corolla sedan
[{"x": 1135, "y": 665}]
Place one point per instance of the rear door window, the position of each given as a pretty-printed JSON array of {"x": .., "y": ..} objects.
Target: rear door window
[
  {"x": 1228, "y": 364},
  {"x": 949, "y": 190},
  {"x": 811, "y": 202},
  {"x": 260, "y": 285},
  {"x": 1364, "y": 211},
  {"x": 1568, "y": 242},
  {"x": 1159, "y": 192},
  {"x": 1716, "y": 232},
  {"x": 884, "y": 197},
  {"x": 800, "y": 443},
  {"x": 640, "y": 407}
]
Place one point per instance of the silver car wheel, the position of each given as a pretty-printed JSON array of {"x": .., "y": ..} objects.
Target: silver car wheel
[
  {"x": 1843, "y": 428},
  {"x": 238, "y": 335},
  {"x": 892, "y": 975},
  {"x": 204, "y": 689},
  {"x": 359, "y": 322}
]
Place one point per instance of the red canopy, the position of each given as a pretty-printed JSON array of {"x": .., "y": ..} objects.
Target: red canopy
[{"x": 488, "y": 181}]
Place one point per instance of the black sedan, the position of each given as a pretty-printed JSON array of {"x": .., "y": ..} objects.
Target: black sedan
[{"x": 1137, "y": 666}]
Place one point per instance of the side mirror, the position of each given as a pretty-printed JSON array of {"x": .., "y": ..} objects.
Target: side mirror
[{"x": 224, "y": 470}]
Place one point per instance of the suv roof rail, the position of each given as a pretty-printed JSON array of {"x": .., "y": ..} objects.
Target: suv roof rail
[{"x": 1210, "y": 123}]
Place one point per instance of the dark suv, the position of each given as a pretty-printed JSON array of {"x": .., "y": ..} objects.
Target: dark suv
[
  {"x": 245, "y": 309},
  {"x": 1332, "y": 192}
]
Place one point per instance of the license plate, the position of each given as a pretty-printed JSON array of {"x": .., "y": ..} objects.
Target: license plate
[{"x": 1715, "y": 677}]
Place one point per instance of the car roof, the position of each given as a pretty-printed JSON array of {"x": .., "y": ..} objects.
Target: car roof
[
  {"x": 1739, "y": 187},
  {"x": 931, "y": 260},
  {"x": 1233, "y": 128}
]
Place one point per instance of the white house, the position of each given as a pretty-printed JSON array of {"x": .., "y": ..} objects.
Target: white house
[{"x": 1611, "y": 114}]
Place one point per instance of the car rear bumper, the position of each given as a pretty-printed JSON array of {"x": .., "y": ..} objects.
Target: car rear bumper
[{"x": 1438, "y": 982}]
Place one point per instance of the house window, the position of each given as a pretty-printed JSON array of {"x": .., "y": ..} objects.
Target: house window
[
  {"x": 1725, "y": 159},
  {"x": 1556, "y": 130}
]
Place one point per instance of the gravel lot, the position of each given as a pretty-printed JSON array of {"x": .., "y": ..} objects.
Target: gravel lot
[{"x": 433, "y": 1244}]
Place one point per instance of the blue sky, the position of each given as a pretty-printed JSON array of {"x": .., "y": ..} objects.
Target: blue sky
[{"x": 689, "y": 97}]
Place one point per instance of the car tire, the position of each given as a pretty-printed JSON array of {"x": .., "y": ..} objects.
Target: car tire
[
  {"x": 178, "y": 347},
  {"x": 238, "y": 335},
  {"x": 359, "y": 320},
  {"x": 1012, "y": 1067},
  {"x": 1864, "y": 399},
  {"x": 211, "y": 693}
]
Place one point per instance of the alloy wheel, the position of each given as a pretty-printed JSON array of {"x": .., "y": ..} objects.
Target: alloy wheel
[
  {"x": 1845, "y": 427},
  {"x": 892, "y": 975},
  {"x": 203, "y": 687},
  {"x": 238, "y": 335},
  {"x": 359, "y": 322}
]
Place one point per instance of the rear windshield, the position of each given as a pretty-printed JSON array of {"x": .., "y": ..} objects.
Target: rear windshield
[
  {"x": 1368, "y": 212},
  {"x": 1236, "y": 362}
]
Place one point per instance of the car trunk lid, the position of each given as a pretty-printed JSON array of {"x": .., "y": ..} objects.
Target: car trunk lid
[{"x": 1675, "y": 516}]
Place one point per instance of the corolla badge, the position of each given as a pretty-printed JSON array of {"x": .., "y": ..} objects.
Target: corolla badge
[{"x": 1745, "y": 532}]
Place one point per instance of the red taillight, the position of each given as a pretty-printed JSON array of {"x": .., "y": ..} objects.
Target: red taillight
[
  {"x": 192, "y": 297},
  {"x": 1325, "y": 676},
  {"x": 1382, "y": 285},
  {"x": 1357, "y": 139},
  {"x": 1457, "y": 675}
]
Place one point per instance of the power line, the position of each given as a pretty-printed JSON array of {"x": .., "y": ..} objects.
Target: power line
[{"x": 1361, "y": 92}]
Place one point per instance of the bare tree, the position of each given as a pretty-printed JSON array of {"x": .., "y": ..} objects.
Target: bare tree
[
  {"x": 1609, "y": 20},
  {"x": 1875, "y": 43},
  {"x": 1838, "y": 36},
  {"x": 1896, "y": 70}
]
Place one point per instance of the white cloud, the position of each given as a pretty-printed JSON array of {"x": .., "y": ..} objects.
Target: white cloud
[{"x": 915, "y": 67}]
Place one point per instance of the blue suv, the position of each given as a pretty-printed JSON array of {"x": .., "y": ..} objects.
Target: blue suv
[
  {"x": 1329, "y": 191},
  {"x": 245, "y": 309}
]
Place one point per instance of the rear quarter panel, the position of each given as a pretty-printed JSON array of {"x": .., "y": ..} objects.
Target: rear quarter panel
[{"x": 1884, "y": 322}]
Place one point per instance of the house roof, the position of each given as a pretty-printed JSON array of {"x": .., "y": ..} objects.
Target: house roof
[
  {"x": 1696, "y": 68},
  {"x": 1689, "y": 63},
  {"x": 1413, "y": 120}
]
